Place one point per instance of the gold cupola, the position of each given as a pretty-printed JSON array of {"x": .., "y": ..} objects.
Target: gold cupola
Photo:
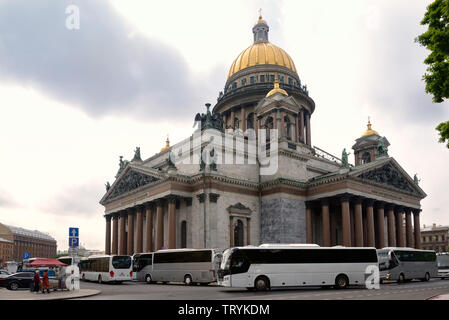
[
  {"x": 276, "y": 89},
  {"x": 167, "y": 145},
  {"x": 369, "y": 131},
  {"x": 261, "y": 52}
]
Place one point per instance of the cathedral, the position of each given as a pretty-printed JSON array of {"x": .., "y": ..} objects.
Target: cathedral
[{"x": 249, "y": 174}]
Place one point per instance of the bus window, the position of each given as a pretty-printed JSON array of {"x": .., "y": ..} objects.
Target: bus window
[
  {"x": 121, "y": 262},
  {"x": 239, "y": 264}
]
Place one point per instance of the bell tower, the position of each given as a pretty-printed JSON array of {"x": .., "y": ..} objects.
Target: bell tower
[{"x": 370, "y": 146}]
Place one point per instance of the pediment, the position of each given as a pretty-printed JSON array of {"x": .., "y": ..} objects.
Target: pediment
[
  {"x": 128, "y": 181},
  {"x": 390, "y": 174}
]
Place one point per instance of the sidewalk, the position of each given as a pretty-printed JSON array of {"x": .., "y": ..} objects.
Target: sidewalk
[
  {"x": 25, "y": 294},
  {"x": 440, "y": 297}
]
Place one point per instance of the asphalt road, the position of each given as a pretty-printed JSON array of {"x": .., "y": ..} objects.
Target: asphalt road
[{"x": 415, "y": 290}]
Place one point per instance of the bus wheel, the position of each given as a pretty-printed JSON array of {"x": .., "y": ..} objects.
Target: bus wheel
[
  {"x": 99, "y": 279},
  {"x": 187, "y": 280},
  {"x": 341, "y": 282},
  {"x": 261, "y": 284},
  {"x": 148, "y": 278},
  {"x": 401, "y": 278},
  {"x": 426, "y": 277}
]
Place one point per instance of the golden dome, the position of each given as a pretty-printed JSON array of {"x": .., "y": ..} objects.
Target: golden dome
[
  {"x": 167, "y": 145},
  {"x": 369, "y": 131},
  {"x": 261, "y": 53},
  {"x": 276, "y": 89},
  {"x": 260, "y": 21}
]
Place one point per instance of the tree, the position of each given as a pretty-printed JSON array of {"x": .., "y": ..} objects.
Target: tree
[{"x": 436, "y": 39}]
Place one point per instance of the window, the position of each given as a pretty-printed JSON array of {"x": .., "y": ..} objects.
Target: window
[
  {"x": 243, "y": 81},
  {"x": 238, "y": 233},
  {"x": 423, "y": 239},
  {"x": 366, "y": 157},
  {"x": 252, "y": 79},
  {"x": 262, "y": 78},
  {"x": 290, "y": 81},
  {"x": 250, "y": 121},
  {"x": 281, "y": 78},
  {"x": 234, "y": 85},
  {"x": 271, "y": 77},
  {"x": 121, "y": 262},
  {"x": 183, "y": 257}
]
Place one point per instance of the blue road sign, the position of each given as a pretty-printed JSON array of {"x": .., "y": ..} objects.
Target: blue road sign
[
  {"x": 73, "y": 242},
  {"x": 25, "y": 255},
  {"x": 74, "y": 232}
]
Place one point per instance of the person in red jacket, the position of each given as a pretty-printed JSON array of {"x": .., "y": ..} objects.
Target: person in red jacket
[
  {"x": 45, "y": 282},
  {"x": 36, "y": 281}
]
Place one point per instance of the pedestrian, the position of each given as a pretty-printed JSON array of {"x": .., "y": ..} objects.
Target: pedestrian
[
  {"x": 45, "y": 282},
  {"x": 36, "y": 281}
]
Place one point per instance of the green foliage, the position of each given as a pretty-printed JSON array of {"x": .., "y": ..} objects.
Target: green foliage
[
  {"x": 436, "y": 39},
  {"x": 443, "y": 128}
]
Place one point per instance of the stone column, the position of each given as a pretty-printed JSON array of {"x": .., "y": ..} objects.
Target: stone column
[
  {"x": 296, "y": 128},
  {"x": 130, "y": 249},
  {"x": 301, "y": 128},
  {"x": 122, "y": 249},
  {"x": 231, "y": 231},
  {"x": 139, "y": 236},
  {"x": 400, "y": 240},
  {"x": 243, "y": 116},
  {"x": 325, "y": 222},
  {"x": 408, "y": 228},
  {"x": 380, "y": 225},
  {"x": 149, "y": 228},
  {"x": 159, "y": 224},
  {"x": 371, "y": 242},
  {"x": 309, "y": 238},
  {"x": 282, "y": 124},
  {"x": 391, "y": 226},
  {"x": 346, "y": 221},
  {"x": 172, "y": 222},
  {"x": 114, "y": 249},
  {"x": 232, "y": 119},
  {"x": 248, "y": 232},
  {"x": 275, "y": 120},
  {"x": 358, "y": 222},
  {"x": 309, "y": 130},
  {"x": 108, "y": 235},
  {"x": 224, "y": 120},
  {"x": 417, "y": 227}
]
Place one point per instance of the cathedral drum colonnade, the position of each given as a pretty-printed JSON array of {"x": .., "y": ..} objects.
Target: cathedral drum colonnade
[{"x": 312, "y": 196}]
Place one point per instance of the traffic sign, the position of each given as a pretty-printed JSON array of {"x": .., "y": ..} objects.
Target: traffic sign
[
  {"x": 74, "y": 232},
  {"x": 73, "y": 242},
  {"x": 25, "y": 255}
]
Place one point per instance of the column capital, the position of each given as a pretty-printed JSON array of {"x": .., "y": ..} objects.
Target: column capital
[
  {"x": 357, "y": 200},
  {"x": 345, "y": 197},
  {"x": 159, "y": 202},
  {"x": 407, "y": 210},
  {"x": 416, "y": 212},
  {"x": 172, "y": 198},
  {"x": 213, "y": 197},
  {"x": 123, "y": 213},
  {"x": 324, "y": 201},
  {"x": 369, "y": 202},
  {"x": 390, "y": 207},
  {"x": 380, "y": 204},
  {"x": 188, "y": 201},
  {"x": 399, "y": 209},
  {"x": 108, "y": 217},
  {"x": 201, "y": 197},
  {"x": 130, "y": 211},
  {"x": 140, "y": 208}
]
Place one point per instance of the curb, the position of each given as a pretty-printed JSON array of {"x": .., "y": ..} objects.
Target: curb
[{"x": 26, "y": 295}]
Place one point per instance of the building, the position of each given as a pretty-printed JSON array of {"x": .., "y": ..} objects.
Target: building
[
  {"x": 36, "y": 243},
  {"x": 6, "y": 250},
  {"x": 289, "y": 191},
  {"x": 435, "y": 238}
]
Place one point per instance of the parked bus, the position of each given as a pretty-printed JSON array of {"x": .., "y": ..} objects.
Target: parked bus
[
  {"x": 106, "y": 268},
  {"x": 443, "y": 265},
  {"x": 190, "y": 266},
  {"x": 406, "y": 264},
  {"x": 143, "y": 267},
  {"x": 270, "y": 266},
  {"x": 67, "y": 260}
]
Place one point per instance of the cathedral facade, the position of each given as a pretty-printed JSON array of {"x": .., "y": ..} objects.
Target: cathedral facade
[{"x": 249, "y": 174}]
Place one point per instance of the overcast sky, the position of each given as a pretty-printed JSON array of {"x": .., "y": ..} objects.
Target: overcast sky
[{"x": 73, "y": 101}]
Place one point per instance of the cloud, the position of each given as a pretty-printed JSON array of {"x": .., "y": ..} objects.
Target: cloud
[
  {"x": 6, "y": 200},
  {"x": 75, "y": 201},
  {"x": 105, "y": 67}
]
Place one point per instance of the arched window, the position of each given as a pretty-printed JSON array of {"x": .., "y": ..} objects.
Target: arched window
[
  {"x": 184, "y": 234},
  {"x": 238, "y": 233},
  {"x": 366, "y": 157},
  {"x": 236, "y": 123},
  {"x": 287, "y": 128},
  {"x": 250, "y": 121},
  {"x": 268, "y": 125}
]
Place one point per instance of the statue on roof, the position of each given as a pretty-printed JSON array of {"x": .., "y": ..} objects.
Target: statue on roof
[
  {"x": 344, "y": 159},
  {"x": 108, "y": 186},
  {"x": 382, "y": 149},
  {"x": 208, "y": 120},
  {"x": 137, "y": 155},
  {"x": 122, "y": 165},
  {"x": 415, "y": 178}
]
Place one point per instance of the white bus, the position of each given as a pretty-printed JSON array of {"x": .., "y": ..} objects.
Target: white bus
[
  {"x": 105, "y": 268},
  {"x": 142, "y": 266},
  {"x": 406, "y": 264},
  {"x": 443, "y": 265},
  {"x": 67, "y": 260},
  {"x": 270, "y": 266},
  {"x": 191, "y": 266}
]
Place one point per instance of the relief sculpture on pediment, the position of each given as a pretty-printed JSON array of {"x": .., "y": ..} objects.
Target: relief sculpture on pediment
[
  {"x": 389, "y": 176},
  {"x": 129, "y": 182}
]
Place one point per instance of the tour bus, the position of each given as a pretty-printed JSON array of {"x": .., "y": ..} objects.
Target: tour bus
[
  {"x": 443, "y": 265},
  {"x": 406, "y": 264},
  {"x": 142, "y": 266},
  {"x": 106, "y": 268},
  {"x": 190, "y": 266},
  {"x": 67, "y": 260},
  {"x": 277, "y": 265}
]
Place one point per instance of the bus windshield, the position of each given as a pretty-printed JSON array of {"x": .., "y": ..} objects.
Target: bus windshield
[
  {"x": 225, "y": 260},
  {"x": 443, "y": 261},
  {"x": 121, "y": 262}
]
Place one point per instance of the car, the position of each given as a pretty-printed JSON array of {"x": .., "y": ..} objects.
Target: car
[
  {"x": 23, "y": 280},
  {"x": 17, "y": 280},
  {"x": 4, "y": 273}
]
